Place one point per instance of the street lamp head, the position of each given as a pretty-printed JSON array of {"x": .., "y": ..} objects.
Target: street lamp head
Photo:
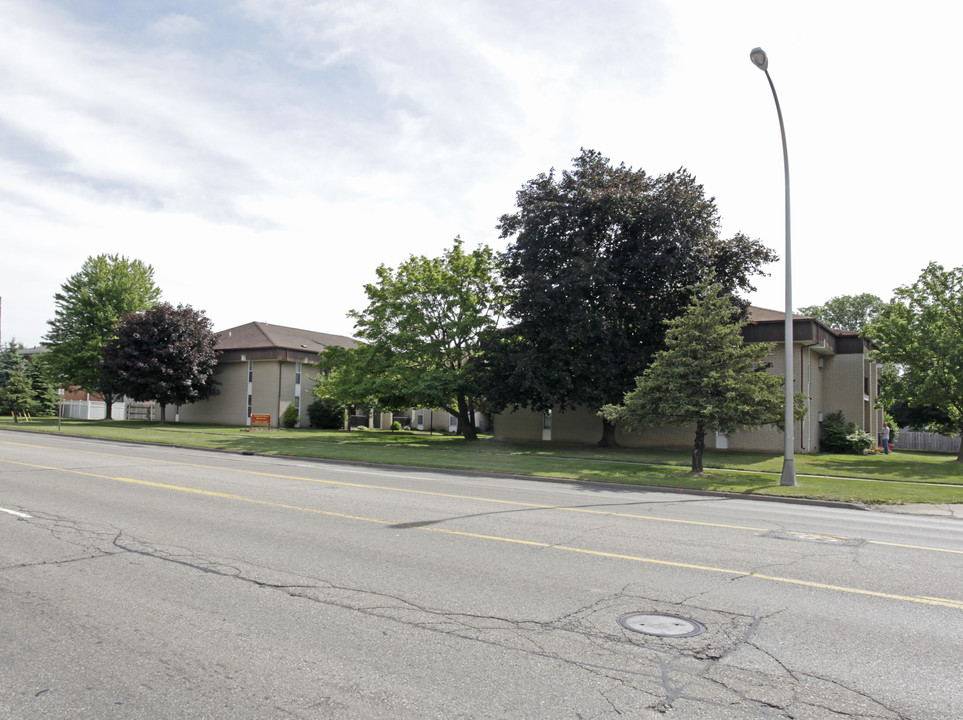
[{"x": 759, "y": 59}]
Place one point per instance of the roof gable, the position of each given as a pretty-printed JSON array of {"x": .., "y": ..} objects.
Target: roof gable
[
  {"x": 260, "y": 335},
  {"x": 759, "y": 314}
]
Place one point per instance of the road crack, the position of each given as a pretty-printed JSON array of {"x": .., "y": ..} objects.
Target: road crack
[{"x": 674, "y": 690}]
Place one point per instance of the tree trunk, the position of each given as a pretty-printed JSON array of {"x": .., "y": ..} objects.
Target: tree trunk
[
  {"x": 163, "y": 413},
  {"x": 466, "y": 419},
  {"x": 698, "y": 447},
  {"x": 608, "y": 434},
  {"x": 109, "y": 402}
]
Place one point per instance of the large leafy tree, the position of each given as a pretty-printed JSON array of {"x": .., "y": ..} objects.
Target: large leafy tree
[
  {"x": 916, "y": 417},
  {"x": 165, "y": 354},
  {"x": 846, "y": 312},
  {"x": 88, "y": 307},
  {"x": 706, "y": 375},
  {"x": 920, "y": 334},
  {"x": 422, "y": 332},
  {"x": 365, "y": 377},
  {"x": 602, "y": 256}
]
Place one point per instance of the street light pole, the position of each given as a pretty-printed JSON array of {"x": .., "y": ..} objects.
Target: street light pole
[{"x": 761, "y": 61}]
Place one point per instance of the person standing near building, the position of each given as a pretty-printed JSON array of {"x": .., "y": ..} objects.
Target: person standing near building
[{"x": 884, "y": 438}]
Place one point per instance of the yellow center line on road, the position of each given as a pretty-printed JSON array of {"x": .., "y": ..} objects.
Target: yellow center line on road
[
  {"x": 920, "y": 599},
  {"x": 198, "y": 491},
  {"x": 515, "y": 503}
]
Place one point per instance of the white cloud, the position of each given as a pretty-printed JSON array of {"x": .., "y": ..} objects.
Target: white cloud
[
  {"x": 266, "y": 155},
  {"x": 176, "y": 26}
]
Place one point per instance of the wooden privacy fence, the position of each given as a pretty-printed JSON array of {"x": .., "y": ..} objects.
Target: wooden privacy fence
[
  {"x": 926, "y": 441},
  {"x": 143, "y": 411}
]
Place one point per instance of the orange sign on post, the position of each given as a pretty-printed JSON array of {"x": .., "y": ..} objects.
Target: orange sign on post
[{"x": 258, "y": 420}]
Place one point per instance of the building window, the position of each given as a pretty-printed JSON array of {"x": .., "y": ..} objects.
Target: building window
[
  {"x": 297, "y": 373},
  {"x": 250, "y": 389}
]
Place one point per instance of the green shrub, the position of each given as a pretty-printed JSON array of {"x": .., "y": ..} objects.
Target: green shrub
[
  {"x": 395, "y": 426},
  {"x": 835, "y": 430},
  {"x": 290, "y": 417},
  {"x": 327, "y": 414},
  {"x": 845, "y": 437},
  {"x": 860, "y": 442}
]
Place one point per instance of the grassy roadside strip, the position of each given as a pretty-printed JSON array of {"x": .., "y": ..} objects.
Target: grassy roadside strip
[{"x": 898, "y": 478}]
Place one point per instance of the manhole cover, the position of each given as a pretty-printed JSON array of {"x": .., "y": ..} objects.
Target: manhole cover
[{"x": 661, "y": 625}]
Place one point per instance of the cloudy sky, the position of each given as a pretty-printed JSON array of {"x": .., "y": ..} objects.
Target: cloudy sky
[{"x": 264, "y": 156}]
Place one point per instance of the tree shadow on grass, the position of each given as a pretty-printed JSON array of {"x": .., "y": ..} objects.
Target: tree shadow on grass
[{"x": 893, "y": 467}]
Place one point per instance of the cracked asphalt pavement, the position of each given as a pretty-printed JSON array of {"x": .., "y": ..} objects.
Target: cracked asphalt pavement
[{"x": 144, "y": 582}]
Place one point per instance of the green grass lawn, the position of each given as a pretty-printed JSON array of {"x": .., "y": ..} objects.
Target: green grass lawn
[{"x": 902, "y": 477}]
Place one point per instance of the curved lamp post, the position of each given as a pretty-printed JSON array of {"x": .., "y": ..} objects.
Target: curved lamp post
[{"x": 759, "y": 59}]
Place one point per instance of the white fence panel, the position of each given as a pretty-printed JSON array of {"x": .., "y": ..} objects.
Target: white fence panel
[{"x": 91, "y": 410}]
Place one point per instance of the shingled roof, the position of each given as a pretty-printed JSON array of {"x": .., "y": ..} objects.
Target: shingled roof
[
  {"x": 758, "y": 314},
  {"x": 265, "y": 341}
]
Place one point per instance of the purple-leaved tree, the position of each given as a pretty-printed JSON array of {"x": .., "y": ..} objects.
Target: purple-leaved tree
[{"x": 165, "y": 354}]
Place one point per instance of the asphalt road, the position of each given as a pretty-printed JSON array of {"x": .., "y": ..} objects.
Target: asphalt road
[{"x": 143, "y": 582}]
